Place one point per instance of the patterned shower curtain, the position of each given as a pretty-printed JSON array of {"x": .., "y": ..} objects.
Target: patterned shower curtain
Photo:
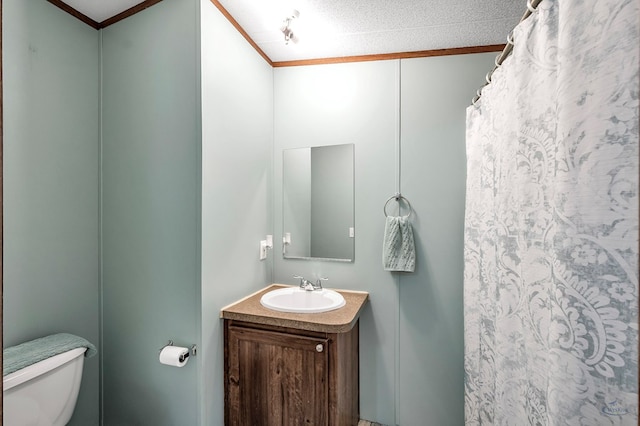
[{"x": 551, "y": 226}]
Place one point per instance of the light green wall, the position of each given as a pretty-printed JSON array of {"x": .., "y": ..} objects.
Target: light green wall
[
  {"x": 435, "y": 93},
  {"x": 336, "y": 104},
  {"x": 150, "y": 214},
  {"x": 411, "y": 353},
  {"x": 237, "y": 148},
  {"x": 51, "y": 135},
  {"x": 172, "y": 186}
]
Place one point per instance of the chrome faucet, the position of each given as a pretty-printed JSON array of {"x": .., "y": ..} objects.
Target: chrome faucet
[
  {"x": 318, "y": 285},
  {"x": 307, "y": 285}
]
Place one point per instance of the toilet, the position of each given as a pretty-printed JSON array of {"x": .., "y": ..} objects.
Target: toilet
[{"x": 45, "y": 392}]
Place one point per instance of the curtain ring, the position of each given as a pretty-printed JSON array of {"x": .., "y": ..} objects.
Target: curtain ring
[
  {"x": 495, "y": 61},
  {"x": 488, "y": 76},
  {"x": 530, "y": 7},
  {"x": 476, "y": 98},
  {"x": 510, "y": 38}
]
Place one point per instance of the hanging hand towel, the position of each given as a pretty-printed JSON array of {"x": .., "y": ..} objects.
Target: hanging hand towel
[{"x": 398, "y": 250}]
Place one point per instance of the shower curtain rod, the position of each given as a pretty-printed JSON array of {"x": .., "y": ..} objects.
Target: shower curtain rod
[{"x": 531, "y": 7}]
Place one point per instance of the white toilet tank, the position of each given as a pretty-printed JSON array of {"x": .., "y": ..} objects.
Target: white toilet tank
[{"x": 45, "y": 392}]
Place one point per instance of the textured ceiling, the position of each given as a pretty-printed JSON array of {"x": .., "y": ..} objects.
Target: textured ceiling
[{"x": 335, "y": 28}]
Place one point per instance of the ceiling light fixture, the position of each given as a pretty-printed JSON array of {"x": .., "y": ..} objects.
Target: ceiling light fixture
[{"x": 287, "y": 27}]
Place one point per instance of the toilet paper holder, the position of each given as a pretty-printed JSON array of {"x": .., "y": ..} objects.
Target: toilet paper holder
[{"x": 192, "y": 352}]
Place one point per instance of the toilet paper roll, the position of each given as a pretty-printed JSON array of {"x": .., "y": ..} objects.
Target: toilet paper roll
[{"x": 175, "y": 356}]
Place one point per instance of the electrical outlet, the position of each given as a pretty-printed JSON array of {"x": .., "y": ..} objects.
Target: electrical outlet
[{"x": 263, "y": 249}]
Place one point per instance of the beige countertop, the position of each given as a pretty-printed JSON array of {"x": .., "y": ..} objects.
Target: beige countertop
[{"x": 339, "y": 320}]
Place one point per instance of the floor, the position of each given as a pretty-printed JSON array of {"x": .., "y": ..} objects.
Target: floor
[{"x": 368, "y": 423}]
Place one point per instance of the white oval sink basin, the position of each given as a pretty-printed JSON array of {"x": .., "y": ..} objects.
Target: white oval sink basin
[{"x": 294, "y": 299}]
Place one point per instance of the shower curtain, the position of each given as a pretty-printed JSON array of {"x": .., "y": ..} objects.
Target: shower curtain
[{"x": 551, "y": 223}]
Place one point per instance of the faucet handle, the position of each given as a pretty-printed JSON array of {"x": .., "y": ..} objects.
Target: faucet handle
[
  {"x": 301, "y": 278},
  {"x": 319, "y": 282}
]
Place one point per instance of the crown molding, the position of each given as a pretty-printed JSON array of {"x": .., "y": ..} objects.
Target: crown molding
[
  {"x": 110, "y": 21},
  {"x": 390, "y": 56},
  {"x": 75, "y": 13},
  {"x": 280, "y": 64},
  {"x": 129, "y": 12},
  {"x": 241, "y": 30}
]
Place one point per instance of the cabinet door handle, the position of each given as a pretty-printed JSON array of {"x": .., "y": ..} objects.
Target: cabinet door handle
[{"x": 319, "y": 347}]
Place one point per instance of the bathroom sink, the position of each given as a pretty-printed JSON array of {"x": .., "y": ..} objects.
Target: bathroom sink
[{"x": 297, "y": 300}]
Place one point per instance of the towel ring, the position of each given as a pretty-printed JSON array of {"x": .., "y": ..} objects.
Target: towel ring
[{"x": 397, "y": 197}]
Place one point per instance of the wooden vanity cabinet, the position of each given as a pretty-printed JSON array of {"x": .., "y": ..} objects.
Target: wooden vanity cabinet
[{"x": 283, "y": 376}]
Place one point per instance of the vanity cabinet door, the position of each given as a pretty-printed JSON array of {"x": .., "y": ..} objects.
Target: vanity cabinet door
[{"x": 275, "y": 378}]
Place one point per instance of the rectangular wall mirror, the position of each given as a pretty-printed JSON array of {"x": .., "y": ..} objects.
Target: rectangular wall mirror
[{"x": 318, "y": 203}]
